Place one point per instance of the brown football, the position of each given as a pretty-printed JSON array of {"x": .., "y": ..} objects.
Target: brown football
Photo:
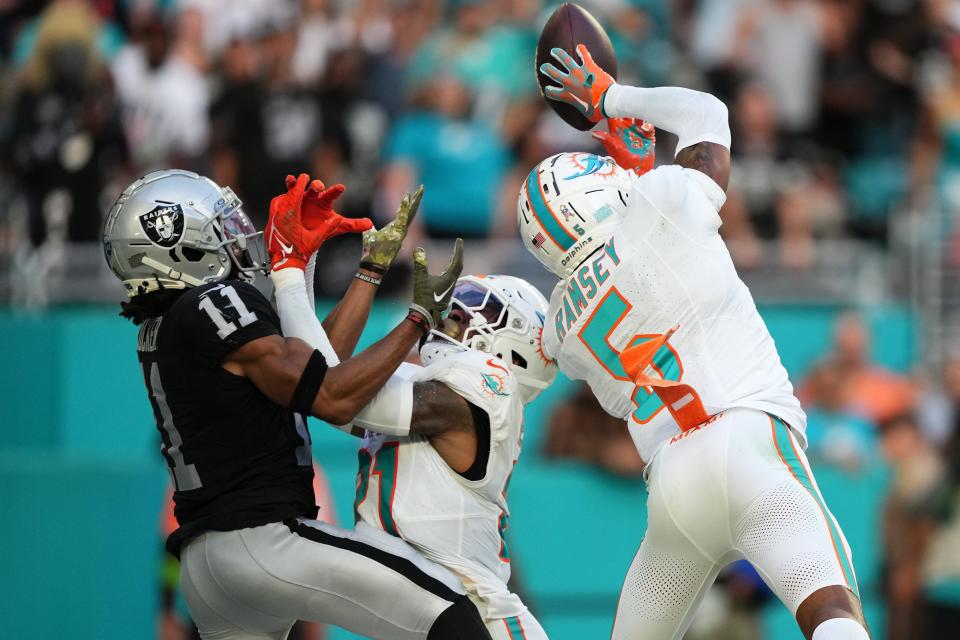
[{"x": 569, "y": 26}]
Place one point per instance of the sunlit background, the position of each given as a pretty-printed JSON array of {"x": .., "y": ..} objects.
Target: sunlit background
[{"x": 840, "y": 216}]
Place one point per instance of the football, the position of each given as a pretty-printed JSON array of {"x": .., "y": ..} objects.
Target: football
[{"x": 569, "y": 26}]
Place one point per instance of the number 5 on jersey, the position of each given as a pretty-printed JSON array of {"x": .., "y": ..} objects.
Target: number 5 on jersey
[{"x": 642, "y": 351}]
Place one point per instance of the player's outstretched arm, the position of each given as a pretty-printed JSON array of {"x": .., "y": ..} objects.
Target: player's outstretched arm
[
  {"x": 429, "y": 408},
  {"x": 437, "y": 408},
  {"x": 291, "y": 373},
  {"x": 301, "y": 220},
  {"x": 380, "y": 248},
  {"x": 698, "y": 119}
]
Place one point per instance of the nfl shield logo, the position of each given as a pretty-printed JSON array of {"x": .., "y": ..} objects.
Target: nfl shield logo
[{"x": 163, "y": 225}]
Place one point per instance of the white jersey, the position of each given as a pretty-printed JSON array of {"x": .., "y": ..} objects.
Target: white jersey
[
  {"x": 405, "y": 487},
  {"x": 667, "y": 266}
]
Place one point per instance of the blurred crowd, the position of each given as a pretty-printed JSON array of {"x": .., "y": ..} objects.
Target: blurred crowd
[
  {"x": 844, "y": 111},
  {"x": 861, "y": 418}
]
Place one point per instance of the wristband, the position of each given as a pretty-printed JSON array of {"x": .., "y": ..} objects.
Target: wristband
[
  {"x": 376, "y": 268},
  {"x": 417, "y": 318},
  {"x": 362, "y": 276}
]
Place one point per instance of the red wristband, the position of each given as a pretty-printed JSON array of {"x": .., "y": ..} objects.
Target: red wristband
[{"x": 417, "y": 318}]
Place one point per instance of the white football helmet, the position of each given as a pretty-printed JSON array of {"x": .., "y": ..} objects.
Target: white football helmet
[
  {"x": 569, "y": 206},
  {"x": 175, "y": 229},
  {"x": 506, "y": 316}
]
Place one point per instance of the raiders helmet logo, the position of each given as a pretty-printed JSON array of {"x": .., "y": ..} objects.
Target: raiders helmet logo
[{"x": 163, "y": 225}]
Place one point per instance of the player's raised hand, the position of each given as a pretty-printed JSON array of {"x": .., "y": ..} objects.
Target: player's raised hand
[
  {"x": 631, "y": 142},
  {"x": 431, "y": 294},
  {"x": 317, "y": 213},
  {"x": 380, "y": 246},
  {"x": 285, "y": 234},
  {"x": 582, "y": 84}
]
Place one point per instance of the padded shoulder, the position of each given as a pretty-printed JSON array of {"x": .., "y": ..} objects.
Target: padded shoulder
[
  {"x": 688, "y": 198},
  {"x": 483, "y": 380},
  {"x": 211, "y": 321}
]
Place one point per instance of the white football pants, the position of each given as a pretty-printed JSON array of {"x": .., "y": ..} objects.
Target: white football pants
[{"x": 736, "y": 487}]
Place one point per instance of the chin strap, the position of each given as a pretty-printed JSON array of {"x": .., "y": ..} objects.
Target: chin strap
[
  {"x": 139, "y": 286},
  {"x": 174, "y": 275}
]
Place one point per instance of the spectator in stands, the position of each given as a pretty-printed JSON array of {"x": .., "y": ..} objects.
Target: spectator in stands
[
  {"x": 713, "y": 30},
  {"x": 775, "y": 192},
  {"x": 835, "y": 435},
  {"x": 758, "y": 176},
  {"x": 917, "y": 472},
  {"x": 316, "y": 36},
  {"x": 491, "y": 61},
  {"x": 580, "y": 429},
  {"x": 410, "y": 24},
  {"x": 870, "y": 391},
  {"x": 530, "y": 148},
  {"x": 938, "y": 403},
  {"x": 847, "y": 86},
  {"x": 939, "y": 527},
  {"x": 163, "y": 93},
  {"x": 780, "y": 41},
  {"x": 460, "y": 162},
  {"x": 65, "y": 138},
  {"x": 935, "y": 167},
  {"x": 267, "y": 126}
]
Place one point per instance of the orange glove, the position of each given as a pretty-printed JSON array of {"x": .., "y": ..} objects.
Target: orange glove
[
  {"x": 317, "y": 212},
  {"x": 583, "y": 85},
  {"x": 631, "y": 142},
  {"x": 302, "y": 219}
]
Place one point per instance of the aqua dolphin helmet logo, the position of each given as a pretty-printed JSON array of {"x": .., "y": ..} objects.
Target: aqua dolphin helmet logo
[
  {"x": 494, "y": 385},
  {"x": 590, "y": 164}
]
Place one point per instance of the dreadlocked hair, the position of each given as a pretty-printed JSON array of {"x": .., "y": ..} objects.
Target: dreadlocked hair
[{"x": 144, "y": 306}]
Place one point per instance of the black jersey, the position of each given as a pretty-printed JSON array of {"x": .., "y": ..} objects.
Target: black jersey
[{"x": 236, "y": 458}]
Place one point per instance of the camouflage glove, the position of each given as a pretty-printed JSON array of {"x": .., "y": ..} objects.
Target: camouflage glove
[
  {"x": 380, "y": 246},
  {"x": 431, "y": 294}
]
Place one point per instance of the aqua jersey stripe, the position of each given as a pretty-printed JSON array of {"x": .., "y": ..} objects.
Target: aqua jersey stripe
[
  {"x": 386, "y": 467},
  {"x": 560, "y": 236},
  {"x": 514, "y": 628},
  {"x": 788, "y": 454}
]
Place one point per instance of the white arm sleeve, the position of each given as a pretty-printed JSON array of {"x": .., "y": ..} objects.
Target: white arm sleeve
[
  {"x": 308, "y": 272},
  {"x": 298, "y": 318},
  {"x": 693, "y": 116},
  {"x": 391, "y": 409}
]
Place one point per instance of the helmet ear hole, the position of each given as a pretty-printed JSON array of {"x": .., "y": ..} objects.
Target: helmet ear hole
[
  {"x": 191, "y": 254},
  {"x": 519, "y": 360}
]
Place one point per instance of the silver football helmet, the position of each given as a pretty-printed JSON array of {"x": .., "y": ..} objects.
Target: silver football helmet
[{"x": 175, "y": 229}]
